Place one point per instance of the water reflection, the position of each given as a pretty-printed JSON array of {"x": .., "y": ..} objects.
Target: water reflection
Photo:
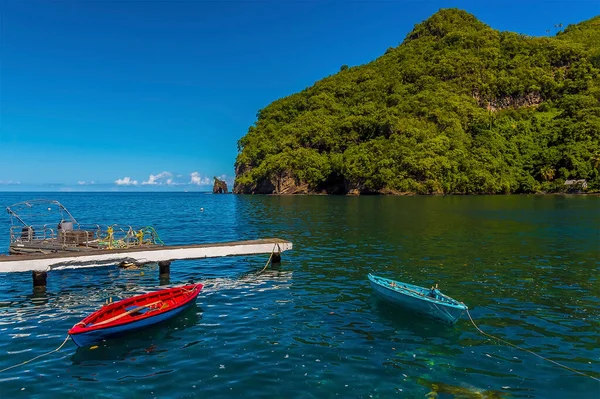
[
  {"x": 250, "y": 280},
  {"x": 39, "y": 296},
  {"x": 415, "y": 323},
  {"x": 164, "y": 279},
  {"x": 150, "y": 341},
  {"x": 526, "y": 266}
]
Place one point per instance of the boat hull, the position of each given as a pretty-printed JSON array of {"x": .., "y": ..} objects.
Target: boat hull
[
  {"x": 91, "y": 334},
  {"x": 415, "y": 299},
  {"x": 96, "y": 336}
]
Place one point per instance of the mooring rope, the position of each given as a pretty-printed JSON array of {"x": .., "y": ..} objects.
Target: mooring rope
[
  {"x": 37, "y": 357},
  {"x": 269, "y": 260},
  {"x": 527, "y": 350}
]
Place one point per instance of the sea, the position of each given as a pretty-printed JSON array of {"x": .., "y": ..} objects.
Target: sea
[{"x": 311, "y": 326}]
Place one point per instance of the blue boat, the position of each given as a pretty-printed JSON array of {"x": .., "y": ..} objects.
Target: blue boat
[{"x": 427, "y": 301}]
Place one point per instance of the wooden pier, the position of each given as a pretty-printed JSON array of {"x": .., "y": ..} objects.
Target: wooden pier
[{"x": 40, "y": 264}]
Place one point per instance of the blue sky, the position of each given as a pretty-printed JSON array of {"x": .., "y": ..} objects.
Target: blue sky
[{"x": 154, "y": 95}]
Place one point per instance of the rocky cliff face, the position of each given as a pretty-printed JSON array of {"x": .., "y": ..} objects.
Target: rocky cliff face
[
  {"x": 507, "y": 102},
  {"x": 282, "y": 184}
]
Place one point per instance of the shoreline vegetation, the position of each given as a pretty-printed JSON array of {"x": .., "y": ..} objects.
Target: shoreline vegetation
[
  {"x": 409, "y": 194},
  {"x": 457, "y": 108}
]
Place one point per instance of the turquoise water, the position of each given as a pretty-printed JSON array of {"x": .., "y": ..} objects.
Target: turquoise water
[{"x": 527, "y": 267}]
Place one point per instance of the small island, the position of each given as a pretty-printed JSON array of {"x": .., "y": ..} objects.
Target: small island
[
  {"x": 219, "y": 187},
  {"x": 456, "y": 108}
]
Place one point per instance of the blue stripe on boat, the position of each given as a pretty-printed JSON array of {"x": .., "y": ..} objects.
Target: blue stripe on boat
[{"x": 418, "y": 299}]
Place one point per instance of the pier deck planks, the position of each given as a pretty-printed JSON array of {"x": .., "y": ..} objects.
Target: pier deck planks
[{"x": 138, "y": 255}]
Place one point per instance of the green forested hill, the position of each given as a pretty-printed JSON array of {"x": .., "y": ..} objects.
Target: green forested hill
[{"x": 458, "y": 107}]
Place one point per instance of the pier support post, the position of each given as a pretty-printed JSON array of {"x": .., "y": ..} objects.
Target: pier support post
[
  {"x": 39, "y": 279},
  {"x": 164, "y": 268},
  {"x": 276, "y": 257}
]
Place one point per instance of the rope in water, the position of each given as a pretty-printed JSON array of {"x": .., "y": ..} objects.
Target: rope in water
[
  {"x": 37, "y": 357},
  {"x": 269, "y": 260},
  {"x": 527, "y": 350}
]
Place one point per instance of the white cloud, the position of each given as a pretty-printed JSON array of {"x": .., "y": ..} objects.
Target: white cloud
[
  {"x": 9, "y": 182},
  {"x": 126, "y": 181},
  {"x": 81, "y": 183},
  {"x": 195, "y": 178},
  {"x": 157, "y": 179},
  {"x": 164, "y": 179}
]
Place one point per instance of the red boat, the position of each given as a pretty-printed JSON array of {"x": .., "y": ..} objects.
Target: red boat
[{"x": 133, "y": 313}]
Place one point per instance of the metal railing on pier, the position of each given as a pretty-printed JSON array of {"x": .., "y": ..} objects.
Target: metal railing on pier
[{"x": 29, "y": 238}]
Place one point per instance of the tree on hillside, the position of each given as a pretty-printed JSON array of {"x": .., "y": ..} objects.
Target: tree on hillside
[{"x": 458, "y": 107}]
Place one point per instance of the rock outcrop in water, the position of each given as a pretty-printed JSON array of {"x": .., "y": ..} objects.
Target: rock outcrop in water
[
  {"x": 220, "y": 187},
  {"x": 458, "y": 107}
]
